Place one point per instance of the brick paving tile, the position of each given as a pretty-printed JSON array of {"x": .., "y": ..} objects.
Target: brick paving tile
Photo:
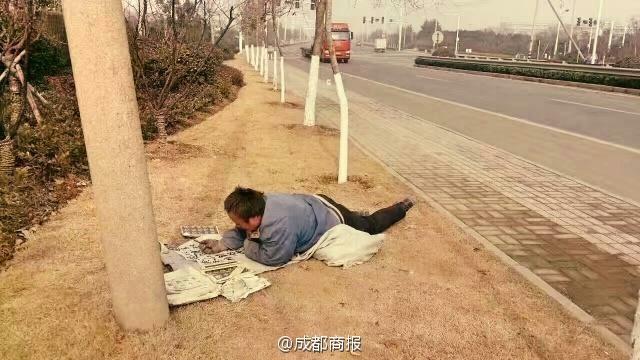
[{"x": 583, "y": 242}]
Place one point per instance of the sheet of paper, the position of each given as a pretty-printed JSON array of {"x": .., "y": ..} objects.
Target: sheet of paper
[{"x": 190, "y": 250}]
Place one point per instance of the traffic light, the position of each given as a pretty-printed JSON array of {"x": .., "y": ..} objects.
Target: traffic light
[
  {"x": 372, "y": 19},
  {"x": 579, "y": 21},
  {"x": 313, "y": 4},
  {"x": 590, "y": 22},
  {"x": 364, "y": 19},
  {"x": 383, "y": 19}
]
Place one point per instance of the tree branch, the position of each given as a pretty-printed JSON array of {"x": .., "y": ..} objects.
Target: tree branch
[
  {"x": 11, "y": 64},
  {"x": 231, "y": 19}
]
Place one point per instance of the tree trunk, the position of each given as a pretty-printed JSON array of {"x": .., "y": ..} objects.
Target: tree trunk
[
  {"x": 635, "y": 335},
  {"x": 143, "y": 23},
  {"x": 276, "y": 32},
  {"x": 320, "y": 20},
  {"x": 342, "y": 99},
  {"x": 312, "y": 86},
  {"x": 7, "y": 158},
  {"x": 15, "y": 105},
  {"x": 161, "y": 126}
]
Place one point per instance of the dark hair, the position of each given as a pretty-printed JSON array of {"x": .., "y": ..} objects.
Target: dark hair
[{"x": 245, "y": 203}]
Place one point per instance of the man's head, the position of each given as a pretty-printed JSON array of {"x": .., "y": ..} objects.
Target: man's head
[{"x": 245, "y": 207}]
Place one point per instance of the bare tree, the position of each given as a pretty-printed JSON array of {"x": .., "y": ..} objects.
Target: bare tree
[
  {"x": 230, "y": 19},
  {"x": 17, "y": 33}
]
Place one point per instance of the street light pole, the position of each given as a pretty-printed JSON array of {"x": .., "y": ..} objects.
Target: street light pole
[
  {"x": 573, "y": 13},
  {"x": 533, "y": 27},
  {"x": 400, "y": 26},
  {"x": 595, "y": 41},
  {"x": 564, "y": 28},
  {"x": 610, "y": 35},
  {"x": 457, "y": 36},
  {"x": 555, "y": 47},
  {"x": 434, "y": 31}
]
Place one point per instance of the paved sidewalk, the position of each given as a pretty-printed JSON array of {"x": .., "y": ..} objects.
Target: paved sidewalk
[{"x": 583, "y": 242}]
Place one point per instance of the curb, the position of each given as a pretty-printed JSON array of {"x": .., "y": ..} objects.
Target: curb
[
  {"x": 571, "y": 308},
  {"x": 606, "y": 88}
]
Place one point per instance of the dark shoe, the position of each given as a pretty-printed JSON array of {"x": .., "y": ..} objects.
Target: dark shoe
[{"x": 407, "y": 204}]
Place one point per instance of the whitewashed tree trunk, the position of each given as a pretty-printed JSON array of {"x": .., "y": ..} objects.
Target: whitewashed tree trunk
[
  {"x": 246, "y": 52},
  {"x": 312, "y": 91},
  {"x": 282, "y": 79},
  {"x": 343, "y": 157},
  {"x": 252, "y": 56},
  {"x": 275, "y": 70},
  {"x": 256, "y": 56},
  {"x": 266, "y": 67},
  {"x": 344, "y": 129},
  {"x": 261, "y": 65},
  {"x": 314, "y": 67}
]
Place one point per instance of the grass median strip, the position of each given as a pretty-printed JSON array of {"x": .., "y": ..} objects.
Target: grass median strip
[{"x": 553, "y": 74}]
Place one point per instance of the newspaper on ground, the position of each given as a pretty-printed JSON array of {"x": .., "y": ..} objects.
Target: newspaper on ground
[{"x": 198, "y": 276}]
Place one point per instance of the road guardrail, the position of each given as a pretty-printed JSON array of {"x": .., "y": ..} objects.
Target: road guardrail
[{"x": 634, "y": 73}]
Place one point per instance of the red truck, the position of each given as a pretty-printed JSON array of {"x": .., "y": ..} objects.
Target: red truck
[{"x": 341, "y": 43}]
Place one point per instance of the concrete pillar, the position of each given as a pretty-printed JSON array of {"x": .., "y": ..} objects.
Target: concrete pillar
[{"x": 109, "y": 112}]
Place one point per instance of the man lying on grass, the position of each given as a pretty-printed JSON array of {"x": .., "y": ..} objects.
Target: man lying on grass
[{"x": 274, "y": 227}]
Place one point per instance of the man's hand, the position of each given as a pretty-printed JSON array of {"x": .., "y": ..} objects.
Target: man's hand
[{"x": 212, "y": 246}]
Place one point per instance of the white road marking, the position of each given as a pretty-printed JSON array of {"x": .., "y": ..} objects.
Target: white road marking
[
  {"x": 622, "y": 147},
  {"x": 432, "y": 78},
  {"x": 596, "y": 107}
]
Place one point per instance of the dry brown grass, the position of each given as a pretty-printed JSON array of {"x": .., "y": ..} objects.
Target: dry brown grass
[{"x": 431, "y": 293}]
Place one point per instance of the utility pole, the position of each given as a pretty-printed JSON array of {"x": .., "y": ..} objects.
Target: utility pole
[
  {"x": 457, "y": 36},
  {"x": 573, "y": 13},
  {"x": 533, "y": 27},
  {"x": 434, "y": 31},
  {"x": 366, "y": 35},
  {"x": 555, "y": 47},
  {"x": 564, "y": 28},
  {"x": 624, "y": 35},
  {"x": 404, "y": 37},
  {"x": 400, "y": 25},
  {"x": 595, "y": 41},
  {"x": 610, "y": 36},
  {"x": 111, "y": 126},
  {"x": 286, "y": 21}
]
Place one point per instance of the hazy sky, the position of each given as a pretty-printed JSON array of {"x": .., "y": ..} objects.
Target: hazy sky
[{"x": 477, "y": 14}]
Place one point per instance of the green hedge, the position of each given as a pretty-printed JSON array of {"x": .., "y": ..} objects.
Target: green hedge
[{"x": 565, "y": 75}]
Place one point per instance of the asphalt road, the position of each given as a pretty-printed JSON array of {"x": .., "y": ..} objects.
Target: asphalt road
[{"x": 590, "y": 135}]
